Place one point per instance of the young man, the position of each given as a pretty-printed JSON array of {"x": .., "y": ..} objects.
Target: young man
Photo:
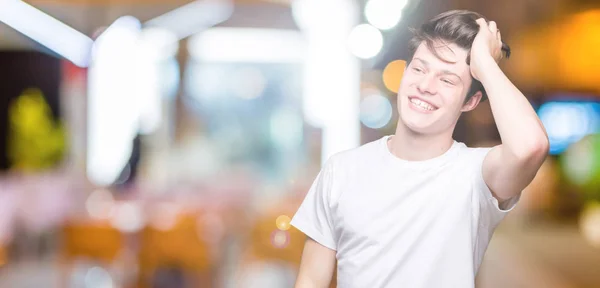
[{"x": 418, "y": 209}]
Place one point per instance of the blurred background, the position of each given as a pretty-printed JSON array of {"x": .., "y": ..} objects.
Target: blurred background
[{"x": 155, "y": 143}]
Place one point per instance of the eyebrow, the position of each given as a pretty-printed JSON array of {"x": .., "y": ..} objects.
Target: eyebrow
[{"x": 444, "y": 72}]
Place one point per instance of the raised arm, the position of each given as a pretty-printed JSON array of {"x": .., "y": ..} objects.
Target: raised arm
[{"x": 510, "y": 167}]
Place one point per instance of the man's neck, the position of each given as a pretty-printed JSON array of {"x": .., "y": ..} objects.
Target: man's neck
[{"x": 411, "y": 146}]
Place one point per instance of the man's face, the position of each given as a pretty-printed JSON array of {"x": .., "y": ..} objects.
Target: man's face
[{"x": 433, "y": 90}]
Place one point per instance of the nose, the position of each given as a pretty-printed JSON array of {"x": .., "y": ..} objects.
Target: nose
[{"x": 427, "y": 85}]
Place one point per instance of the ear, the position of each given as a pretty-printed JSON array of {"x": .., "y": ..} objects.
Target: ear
[{"x": 472, "y": 103}]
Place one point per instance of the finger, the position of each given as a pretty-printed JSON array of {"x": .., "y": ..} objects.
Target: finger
[
  {"x": 482, "y": 23},
  {"x": 501, "y": 44},
  {"x": 493, "y": 27},
  {"x": 499, "y": 37}
]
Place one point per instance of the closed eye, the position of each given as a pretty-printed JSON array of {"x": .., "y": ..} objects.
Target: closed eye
[{"x": 447, "y": 81}]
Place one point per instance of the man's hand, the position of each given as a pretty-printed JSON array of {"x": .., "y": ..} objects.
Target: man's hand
[{"x": 486, "y": 49}]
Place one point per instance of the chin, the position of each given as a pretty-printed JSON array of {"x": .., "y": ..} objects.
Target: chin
[
  {"x": 416, "y": 122},
  {"x": 417, "y": 126}
]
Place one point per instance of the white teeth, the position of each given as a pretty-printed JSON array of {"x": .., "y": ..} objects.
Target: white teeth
[{"x": 421, "y": 104}]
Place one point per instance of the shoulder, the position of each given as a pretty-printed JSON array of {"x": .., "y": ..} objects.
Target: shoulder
[
  {"x": 352, "y": 165},
  {"x": 359, "y": 155},
  {"x": 472, "y": 154},
  {"x": 468, "y": 159}
]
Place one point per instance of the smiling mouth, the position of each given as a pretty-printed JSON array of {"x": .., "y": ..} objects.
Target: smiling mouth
[{"x": 420, "y": 104}]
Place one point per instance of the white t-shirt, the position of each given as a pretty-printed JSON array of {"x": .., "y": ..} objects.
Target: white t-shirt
[{"x": 397, "y": 223}]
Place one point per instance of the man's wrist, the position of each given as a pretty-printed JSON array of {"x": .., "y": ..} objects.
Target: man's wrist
[{"x": 489, "y": 70}]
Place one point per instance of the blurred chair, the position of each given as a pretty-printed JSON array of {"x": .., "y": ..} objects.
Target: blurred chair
[
  {"x": 96, "y": 241},
  {"x": 174, "y": 253}
]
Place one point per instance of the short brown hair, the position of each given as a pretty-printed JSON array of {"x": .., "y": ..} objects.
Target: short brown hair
[{"x": 456, "y": 26}]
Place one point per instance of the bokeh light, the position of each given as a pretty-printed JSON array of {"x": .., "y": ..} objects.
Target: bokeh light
[
  {"x": 280, "y": 239},
  {"x": 568, "y": 122},
  {"x": 579, "y": 161},
  {"x": 203, "y": 83},
  {"x": 128, "y": 217},
  {"x": 375, "y": 111},
  {"x": 326, "y": 16},
  {"x": 578, "y": 50},
  {"x": 581, "y": 165},
  {"x": 365, "y": 41},
  {"x": 248, "y": 83},
  {"x": 590, "y": 224},
  {"x": 283, "y": 222},
  {"x": 384, "y": 14},
  {"x": 100, "y": 204},
  {"x": 392, "y": 75},
  {"x": 165, "y": 216},
  {"x": 98, "y": 278},
  {"x": 286, "y": 128}
]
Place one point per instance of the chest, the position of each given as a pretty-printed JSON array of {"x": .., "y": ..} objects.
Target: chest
[{"x": 393, "y": 207}]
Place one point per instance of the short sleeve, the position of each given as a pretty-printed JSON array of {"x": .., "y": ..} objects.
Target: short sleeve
[
  {"x": 491, "y": 211},
  {"x": 314, "y": 217}
]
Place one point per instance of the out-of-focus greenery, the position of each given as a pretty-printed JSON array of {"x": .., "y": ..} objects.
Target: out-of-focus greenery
[{"x": 36, "y": 141}]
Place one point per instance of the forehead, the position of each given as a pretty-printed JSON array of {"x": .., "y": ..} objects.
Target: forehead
[{"x": 452, "y": 57}]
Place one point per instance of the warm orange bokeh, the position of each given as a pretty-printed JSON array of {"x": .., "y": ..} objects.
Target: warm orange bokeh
[
  {"x": 564, "y": 55},
  {"x": 392, "y": 75}
]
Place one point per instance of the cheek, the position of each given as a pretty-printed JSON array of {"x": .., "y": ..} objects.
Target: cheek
[
  {"x": 406, "y": 83},
  {"x": 452, "y": 96}
]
